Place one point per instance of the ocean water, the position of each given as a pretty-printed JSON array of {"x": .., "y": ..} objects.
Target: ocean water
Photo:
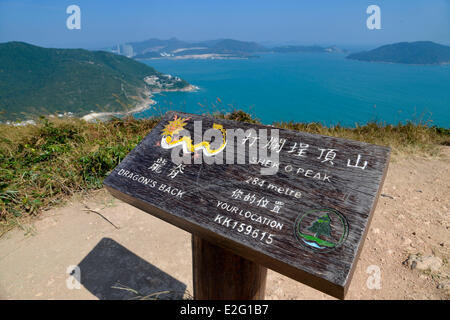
[{"x": 325, "y": 88}]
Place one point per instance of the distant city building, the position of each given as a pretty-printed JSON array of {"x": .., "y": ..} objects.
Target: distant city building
[
  {"x": 127, "y": 50},
  {"x": 124, "y": 49}
]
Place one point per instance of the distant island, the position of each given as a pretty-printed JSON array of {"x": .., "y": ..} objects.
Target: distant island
[
  {"x": 420, "y": 52},
  {"x": 312, "y": 49},
  {"x": 212, "y": 49},
  {"x": 41, "y": 81},
  {"x": 177, "y": 49}
]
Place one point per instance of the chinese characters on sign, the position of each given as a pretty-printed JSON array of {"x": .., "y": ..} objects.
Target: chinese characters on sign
[{"x": 206, "y": 176}]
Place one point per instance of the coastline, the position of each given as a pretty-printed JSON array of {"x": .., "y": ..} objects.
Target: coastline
[
  {"x": 205, "y": 56},
  {"x": 145, "y": 104}
]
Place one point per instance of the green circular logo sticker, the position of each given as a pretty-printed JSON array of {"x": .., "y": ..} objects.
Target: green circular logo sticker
[{"x": 321, "y": 230}]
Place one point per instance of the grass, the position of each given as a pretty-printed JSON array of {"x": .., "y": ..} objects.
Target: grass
[
  {"x": 160, "y": 295},
  {"x": 403, "y": 139},
  {"x": 42, "y": 165}
]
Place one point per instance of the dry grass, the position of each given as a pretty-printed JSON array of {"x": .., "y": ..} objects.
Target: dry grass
[
  {"x": 41, "y": 165},
  {"x": 403, "y": 139}
]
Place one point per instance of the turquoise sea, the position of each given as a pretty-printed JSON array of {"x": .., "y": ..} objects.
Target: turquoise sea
[{"x": 324, "y": 88}]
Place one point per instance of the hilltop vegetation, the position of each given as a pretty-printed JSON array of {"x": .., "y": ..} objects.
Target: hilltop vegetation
[
  {"x": 36, "y": 81},
  {"x": 420, "y": 52},
  {"x": 42, "y": 164}
]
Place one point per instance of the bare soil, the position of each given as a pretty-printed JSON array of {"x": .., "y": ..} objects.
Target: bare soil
[{"x": 119, "y": 245}]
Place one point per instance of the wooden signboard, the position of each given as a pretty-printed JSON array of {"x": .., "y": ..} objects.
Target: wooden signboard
[{"x": 297, "y": 203}]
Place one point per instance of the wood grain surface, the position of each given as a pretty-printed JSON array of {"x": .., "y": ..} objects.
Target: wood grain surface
[
  {"x": 220, "y": 274},
  {"x": 307, "y": 221}
]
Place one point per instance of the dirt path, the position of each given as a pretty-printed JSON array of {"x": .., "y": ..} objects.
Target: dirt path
[{"x": 144, "y": 253}]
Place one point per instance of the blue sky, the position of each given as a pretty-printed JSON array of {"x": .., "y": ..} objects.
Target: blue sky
[{"x": 323, "y": 22}]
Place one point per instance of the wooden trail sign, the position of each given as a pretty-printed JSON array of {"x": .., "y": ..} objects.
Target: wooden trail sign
[{"x": 297, "y": 203}]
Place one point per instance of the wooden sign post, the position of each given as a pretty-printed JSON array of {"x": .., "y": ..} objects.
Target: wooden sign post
[
  {"x": 220, "y": 274},
  {"x": 256, "y": 197}
]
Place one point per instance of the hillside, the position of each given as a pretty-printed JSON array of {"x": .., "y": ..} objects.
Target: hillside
[
  {"x": 42, "y": 164},
  {"x": 420, "y": 52},
  {"x": 51, "y": 193},
  {"x": 39, "y": 81},
  {"x": 98, "y": 231}
]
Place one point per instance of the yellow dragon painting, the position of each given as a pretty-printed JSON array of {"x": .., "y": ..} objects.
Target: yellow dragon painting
[{"x": 171, "y": 138}]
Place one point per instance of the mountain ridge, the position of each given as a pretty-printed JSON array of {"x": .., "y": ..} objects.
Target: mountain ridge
[
  {"x": 418, "y": 52},
  {"x": 218, "y": 48},
  {"x": 36, "y": 81}
]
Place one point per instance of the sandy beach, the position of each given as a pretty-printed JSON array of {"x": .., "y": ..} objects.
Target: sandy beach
[{"x": 143, "y": 104}]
